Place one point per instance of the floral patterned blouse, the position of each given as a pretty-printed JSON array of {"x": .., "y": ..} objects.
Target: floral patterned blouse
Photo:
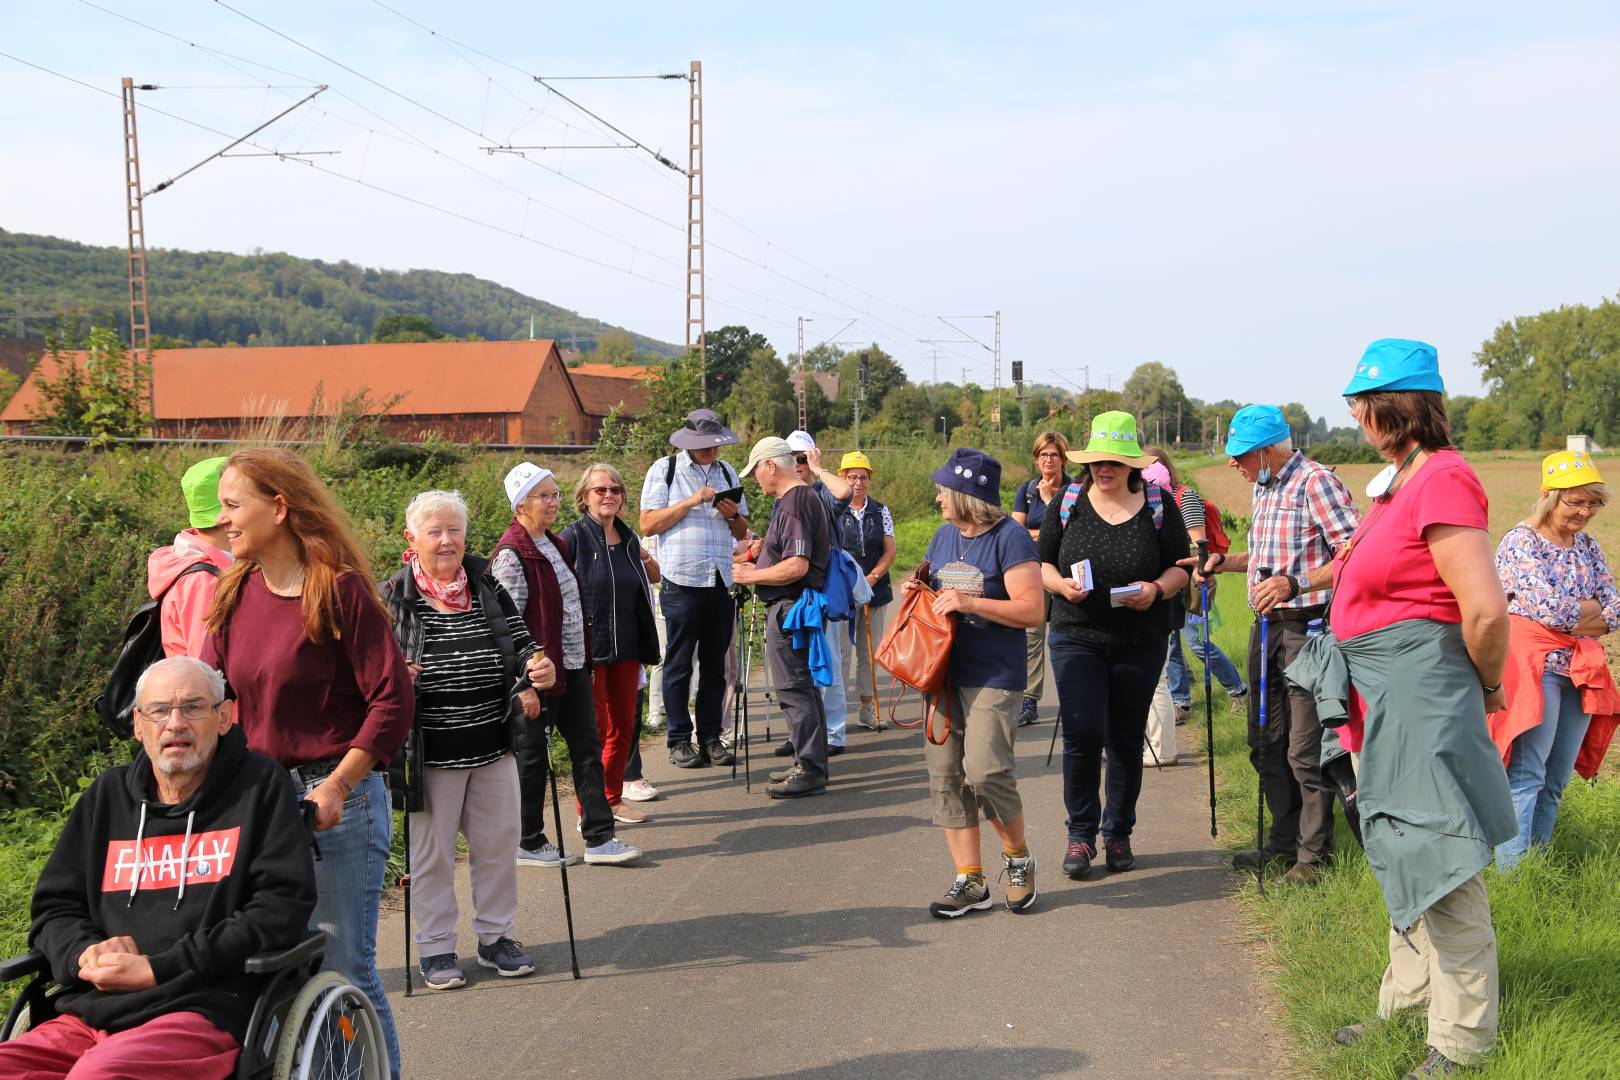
[{"x": 1549, "y": 582}]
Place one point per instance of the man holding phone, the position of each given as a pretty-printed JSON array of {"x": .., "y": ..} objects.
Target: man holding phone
[{"x": 685, "y": 503}]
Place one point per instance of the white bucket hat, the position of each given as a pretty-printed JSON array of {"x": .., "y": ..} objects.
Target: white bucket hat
[{"x": 522, "y": 480}]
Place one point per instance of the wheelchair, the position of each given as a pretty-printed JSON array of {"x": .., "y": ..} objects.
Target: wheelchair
[{"x": 306, "y": 1024}]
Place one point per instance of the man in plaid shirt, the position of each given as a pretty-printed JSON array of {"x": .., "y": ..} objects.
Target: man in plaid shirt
[{"x": 1302, "y": 515}]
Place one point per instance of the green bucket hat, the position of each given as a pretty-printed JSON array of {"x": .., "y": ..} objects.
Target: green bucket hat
[
  {"x": 200, "y": 486},
  {"x": 1113, "y": 438}
]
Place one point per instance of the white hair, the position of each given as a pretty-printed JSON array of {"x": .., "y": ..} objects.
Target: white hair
[
  {"x": 215, "y": 680},
  {"x": 429, "y": 503}
]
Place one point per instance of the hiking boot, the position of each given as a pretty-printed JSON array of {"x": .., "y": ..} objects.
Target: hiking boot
[
  {"x": 1118, "y": 855},
  {"x": 1436, "y": 1064},
  {"x": 1027, "y": 712},
  {"x": 442, "y": 971},
  {"x": 967, "y": 893},
  {"x": 685, "y": 756},
  {"x": 1240, "y": 701},
  {"x": 611, "y": 852},
  {"x": 1303, "y": 873},
  {"x": 640, "y": 791},
  {"x": 1249, "y": 858},
  {"x": 545, "y": 855},
  {"x": 798, "y": 783},
  {"x": 779, "y": 775},
  {"x": 785, "y": 750},
  {"x": 1182, "y": 713},
  {"x": 628, "y": 815},
  {"x": 718, "y": 754},
  {"x": 506, "y": 957},
  {"x": 1020, "y": 875},
  {"x": 1077, "y": 860}
]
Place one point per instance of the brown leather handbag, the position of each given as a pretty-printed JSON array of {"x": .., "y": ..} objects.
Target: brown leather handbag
[{"x": 916, "y": 650}]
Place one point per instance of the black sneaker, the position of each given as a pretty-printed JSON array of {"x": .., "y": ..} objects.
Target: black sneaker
[
  {"x": 834, "y": 751},
  {"x": 685, "y": 756},
  {"x": 718, "y": 754},
  {"x": 1250, "y": 858},
  {"x": 967, "y": 893},
  {"x": 442, "y": 971},
  {"x": 1077, "y": 860},
  {"x": 785, "y": 750},
  {"x": 1027, "y": 712},
  {"x": 1118, "y": 854},
  {"x": 506, "y": 957},
  {"x": 797, "y": 784}
]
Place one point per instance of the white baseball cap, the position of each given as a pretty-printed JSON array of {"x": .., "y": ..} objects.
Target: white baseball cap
[
  {"x": 800, "y": 441},
  {"x": 522, "y": 480}
]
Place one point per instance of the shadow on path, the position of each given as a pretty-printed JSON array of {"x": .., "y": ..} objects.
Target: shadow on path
[{"x": 968, "y": 1063}]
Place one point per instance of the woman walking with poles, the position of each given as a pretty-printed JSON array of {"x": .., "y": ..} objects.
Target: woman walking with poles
[
  {"x": 1563, "y": 600},
  {"x": 475, "y": 666},
  {"x": 1109, "y": 638},
  {"x": 866, "y": 530},
  {"x": 320, "y": 684},
  {"x": 984, "y": 566},
  {"x": 1419, "y": 623},
  {"x": 615, "y": 584},
  {"x": 1030, "y": 502}
]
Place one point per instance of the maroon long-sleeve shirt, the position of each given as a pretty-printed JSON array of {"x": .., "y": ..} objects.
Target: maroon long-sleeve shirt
[{"x": 300, "y": 702}]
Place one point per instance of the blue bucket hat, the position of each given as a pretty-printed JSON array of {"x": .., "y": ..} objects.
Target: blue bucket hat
[
  {"x": 1255, "y": 426},
  {"x": 1397, "y": 364},
  {"x": 972, "y": 472}
]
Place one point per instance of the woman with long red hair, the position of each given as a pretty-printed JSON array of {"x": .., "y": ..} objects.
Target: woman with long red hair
[{"x": 320, "y": 684}]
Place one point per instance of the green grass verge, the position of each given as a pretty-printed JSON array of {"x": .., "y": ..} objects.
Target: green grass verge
[{"x": 1557, "y": 921}]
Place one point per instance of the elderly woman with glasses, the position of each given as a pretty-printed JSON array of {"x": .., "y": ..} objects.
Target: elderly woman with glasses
[
  {"x": 1562, "y": 599},
  {"x": 615, "y": 583},
  {"x": 476, "y": 667},
  {"x": 1029, "y": 510}
]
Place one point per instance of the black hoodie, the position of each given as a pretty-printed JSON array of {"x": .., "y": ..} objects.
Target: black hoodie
[{"x": 223, "y": 875}]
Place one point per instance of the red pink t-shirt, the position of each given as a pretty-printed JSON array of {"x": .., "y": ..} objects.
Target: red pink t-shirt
[{"x": 1387, "y": 574}]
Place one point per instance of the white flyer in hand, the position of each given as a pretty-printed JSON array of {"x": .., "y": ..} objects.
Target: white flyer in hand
[
  {"x": 1081, "y": 572},
  {"x": 1115, "y": 596}
]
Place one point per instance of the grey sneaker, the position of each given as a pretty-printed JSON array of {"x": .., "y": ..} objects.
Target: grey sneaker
[
  {"x": 442, "y": 971},
  {"x": 545, "y": 855},
  {"x": 611, "y": 852},
  {"x": 506, "y": 957},
  {"x": 867, "y": 716},
  {"x": 1436, "y": 1064},
  {"x": 967, "y": 893},
  {"x": 1020, "y": 875}
]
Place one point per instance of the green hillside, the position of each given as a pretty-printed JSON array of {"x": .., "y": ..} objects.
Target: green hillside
[{"x": 213, "y": 297}]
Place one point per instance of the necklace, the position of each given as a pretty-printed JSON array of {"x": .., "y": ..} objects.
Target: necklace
[
  {"x": 961, "y": 554},
  {"x": 293, "y": 587}
]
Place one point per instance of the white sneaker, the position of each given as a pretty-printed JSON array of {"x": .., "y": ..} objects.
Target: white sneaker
[{"x": 640, "y": 791}]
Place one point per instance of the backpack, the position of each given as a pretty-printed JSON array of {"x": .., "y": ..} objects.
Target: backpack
[
  {"x": 1214, "y": 533},
  {"x": 142, "y": 647},
  {"x": 1155, "y": 501},
  {"x": 669, "y": 471}
]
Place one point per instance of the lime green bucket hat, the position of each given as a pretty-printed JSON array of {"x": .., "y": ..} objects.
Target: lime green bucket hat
[
  {"x": 200, "y": 486},
  {"x": 1113, "y": 438}
]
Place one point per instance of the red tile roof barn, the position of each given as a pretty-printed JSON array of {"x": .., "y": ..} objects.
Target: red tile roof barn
[{"x": 602, "y": 386}]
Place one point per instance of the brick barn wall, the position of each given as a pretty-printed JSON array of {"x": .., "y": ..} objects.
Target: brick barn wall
[{"x": 551, "y": 401}]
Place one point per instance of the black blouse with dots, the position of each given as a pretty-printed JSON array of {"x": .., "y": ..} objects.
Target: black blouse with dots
[{"x": 1120, "y": 554}]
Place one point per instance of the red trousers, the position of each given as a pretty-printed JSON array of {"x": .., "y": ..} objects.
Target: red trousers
[
  {"x": 614, "y": 688},
  {"x": 179, "y": 1046}
]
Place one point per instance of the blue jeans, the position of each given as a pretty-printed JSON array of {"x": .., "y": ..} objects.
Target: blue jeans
[
  {"x": 1180, "y": 671},
  {"x": 1104, "y": 692},
  {"x": 348, "y": 883},
  {"x": 1539, "y": 766}
]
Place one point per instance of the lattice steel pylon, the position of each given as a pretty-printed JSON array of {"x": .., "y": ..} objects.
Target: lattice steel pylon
[
  {"x": 695, "y": 320},
  {"x": 140, "y": 323},
  {"x": 998, "y": 371}
]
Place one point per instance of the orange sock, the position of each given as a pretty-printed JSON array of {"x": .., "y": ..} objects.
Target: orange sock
[
  {"x": 971, "y": 871},
  {"x": 1021, "y": 853}
]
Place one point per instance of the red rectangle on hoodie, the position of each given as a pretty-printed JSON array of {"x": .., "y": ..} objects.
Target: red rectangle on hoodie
[{"x": 163, "y": 860}]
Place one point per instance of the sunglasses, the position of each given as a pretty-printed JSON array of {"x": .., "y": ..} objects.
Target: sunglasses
[
  {"x": 604, "y": 492},
  {"x": 802, "y": 459}
]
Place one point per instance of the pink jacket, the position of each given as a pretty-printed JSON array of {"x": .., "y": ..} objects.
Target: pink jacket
[{"x": 185, "y": 609}]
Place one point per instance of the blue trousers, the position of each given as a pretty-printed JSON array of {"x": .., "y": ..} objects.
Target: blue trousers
[
  {"x": 1540, "y": 765},
  {"x": 1225, "y": 672}
]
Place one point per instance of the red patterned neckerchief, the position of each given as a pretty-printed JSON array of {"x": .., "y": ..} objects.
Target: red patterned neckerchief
[{"x": 454, "y": 594}]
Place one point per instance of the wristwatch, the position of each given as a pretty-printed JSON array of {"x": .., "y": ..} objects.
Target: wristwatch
[{"x": 1302, "y": 584}]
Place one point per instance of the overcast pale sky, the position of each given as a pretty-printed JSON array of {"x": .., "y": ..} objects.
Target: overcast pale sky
[{"x": 1247, "y": 191}]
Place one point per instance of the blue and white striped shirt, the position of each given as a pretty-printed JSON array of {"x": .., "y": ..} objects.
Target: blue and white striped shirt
[{"x": 693, "y": 549}]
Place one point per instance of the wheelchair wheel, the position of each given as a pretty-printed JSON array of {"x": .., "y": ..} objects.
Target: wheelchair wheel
[
  {"x": 331, "y": 1032},
  {"x": 17, "y": 1021}
]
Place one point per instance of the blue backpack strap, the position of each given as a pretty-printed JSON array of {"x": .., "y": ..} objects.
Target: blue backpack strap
[{"x": 1071, "y": 494}]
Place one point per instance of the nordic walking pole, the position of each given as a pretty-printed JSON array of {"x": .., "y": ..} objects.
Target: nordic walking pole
[
  {"x": 405, "y": 878},
  {"x": 737, "y": 687},
  {"x": 1209, "y": 685},
  {"x": 562, "y": 857},
  {"x": 1260, "y": 797},
  {"x": 1053, "y": 746},
  {"x": 871, "y": 667}
]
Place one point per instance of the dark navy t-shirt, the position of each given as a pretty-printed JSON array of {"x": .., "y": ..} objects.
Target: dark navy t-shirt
[
  {"x": 983, "y": 653},
  {"x": 1027, "y": 501}
]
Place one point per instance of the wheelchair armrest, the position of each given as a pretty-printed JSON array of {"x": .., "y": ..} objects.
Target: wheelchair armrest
[
  {"x": 265, "y": 963},
  {"x": 20, "y": 967}
]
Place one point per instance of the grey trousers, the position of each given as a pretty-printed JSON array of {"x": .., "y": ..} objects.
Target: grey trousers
[
  {"x": 1288, "y": 753},
  {"x": 798, "y": 697},
  {"x": 482, "y": 804}
]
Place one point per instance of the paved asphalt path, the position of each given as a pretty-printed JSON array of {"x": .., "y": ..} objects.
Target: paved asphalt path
[{"x": 792, "y": 939}]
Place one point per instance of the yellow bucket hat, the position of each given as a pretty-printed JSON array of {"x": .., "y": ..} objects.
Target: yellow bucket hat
[
  {"x": 855, "y": 460},
  {"x": 1568, "y": 469}
]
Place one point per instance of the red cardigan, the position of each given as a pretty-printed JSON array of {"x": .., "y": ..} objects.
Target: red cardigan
[{"x": 1529, "y": 642}]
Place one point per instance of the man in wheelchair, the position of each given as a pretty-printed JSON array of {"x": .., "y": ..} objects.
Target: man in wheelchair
[{"x": 170, "y": 872}]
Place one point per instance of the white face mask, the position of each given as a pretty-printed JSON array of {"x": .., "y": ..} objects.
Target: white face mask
[{"x": 1379, "y": 485}]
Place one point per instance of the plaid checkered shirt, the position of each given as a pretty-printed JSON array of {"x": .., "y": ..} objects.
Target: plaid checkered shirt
[
  {"x": 695, "y": 547},
  {"x": 1299, "y": 520}
]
